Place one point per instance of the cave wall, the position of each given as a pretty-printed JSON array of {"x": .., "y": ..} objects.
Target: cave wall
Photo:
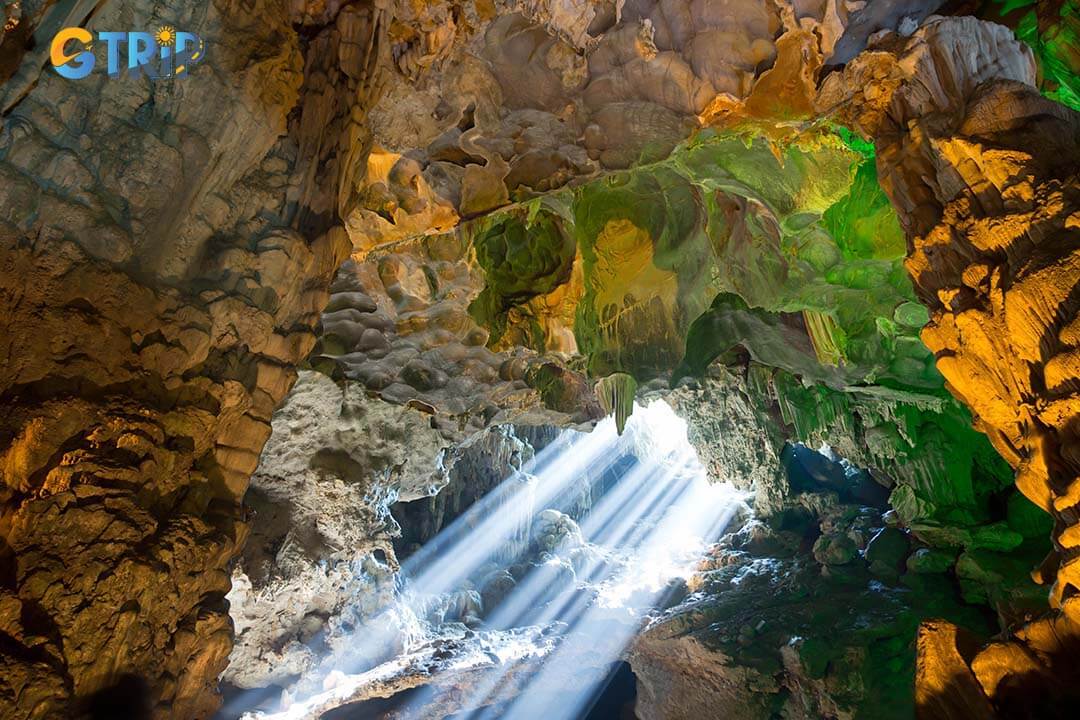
[
  {"x": 982, "y": 171},
  {"x": 157, "y": 288},
  {"x": 167, "y": 249}
]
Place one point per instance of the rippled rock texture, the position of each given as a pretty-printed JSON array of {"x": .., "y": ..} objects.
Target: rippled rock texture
[
  {"x": 811, "y": 609},
  {"x": 983, "y": 173},
  {"x": 167, "y": 251},
  {"x": 156, "y": 292}
]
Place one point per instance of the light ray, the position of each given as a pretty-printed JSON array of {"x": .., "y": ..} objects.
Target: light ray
[
  {"x": 638, "y": 533},
  {"x": 646, "y": 490}
]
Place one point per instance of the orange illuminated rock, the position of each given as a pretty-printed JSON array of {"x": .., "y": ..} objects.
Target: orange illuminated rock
[{"x": 983, "y": 173}]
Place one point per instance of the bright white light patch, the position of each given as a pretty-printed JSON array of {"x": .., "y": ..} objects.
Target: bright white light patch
[
  {"x": 654, "y": 516},
  {"x": 658, "y": 433}
]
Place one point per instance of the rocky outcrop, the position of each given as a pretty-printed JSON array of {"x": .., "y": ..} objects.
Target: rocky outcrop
[
  {"x": 398, "y": 322},
  {"x": 812, "y": 613},
  {"x": 166, "y": 248},
  {"x": 943, "y": 479},
  {"x": 346, "y": 481},
  {"x": 321, "y": 530},
  {"x": 982, "y": 171},
  {"x": 156, "y": 292}
]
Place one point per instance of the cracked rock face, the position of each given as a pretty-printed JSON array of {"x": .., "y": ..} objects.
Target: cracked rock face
[
  {"x": 983, "y": 173},
  {"x": 167, "y": 253}
]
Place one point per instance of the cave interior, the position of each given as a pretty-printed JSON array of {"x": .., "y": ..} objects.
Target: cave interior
[{"x": 540, "y": 359}]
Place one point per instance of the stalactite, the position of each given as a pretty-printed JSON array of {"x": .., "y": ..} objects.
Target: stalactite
[
  {"x": 983, "y": 173},
  {"x": 616, "y": 394}
]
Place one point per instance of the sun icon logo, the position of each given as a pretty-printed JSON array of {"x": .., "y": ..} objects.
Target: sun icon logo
[{"x": 166, "y": 35}]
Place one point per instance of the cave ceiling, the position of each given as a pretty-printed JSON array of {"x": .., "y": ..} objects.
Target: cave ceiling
[{"x": 858, "y": 218}]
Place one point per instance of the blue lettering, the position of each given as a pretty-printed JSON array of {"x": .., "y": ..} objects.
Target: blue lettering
[
  {"x": 112, "y": 43},
  {"x": 173, "y": 57},
  {"x": 165, "y": 67},
  {"x": 141, "y": 47}
]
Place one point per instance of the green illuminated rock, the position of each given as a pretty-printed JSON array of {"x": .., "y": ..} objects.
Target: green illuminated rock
[
  {"x": 737, "y": 249},
  {"x": 1052, "y": 31},
  {"x": 523, "y": 255},
  {"x": 929, "y": 561}
]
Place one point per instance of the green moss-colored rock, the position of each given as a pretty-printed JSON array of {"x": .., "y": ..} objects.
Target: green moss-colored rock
[
  {"x": 1002, "y": 580},
  {"x": 734, "y": 249},
  {"x": 835, "y": 550},
  {"x": 1052, "y": 31},
  {"x": 523, "y": 254},
  {"x": 994, "y": 536},
  {"x": 886, "y": 552},
  {"x": 616, "y": 395},
  {"x": 1026, "y": 518},
  {"x": 815, "y": 653},
  {"x": 930, "y": 561},
  {"x": 863, "y": 223}
]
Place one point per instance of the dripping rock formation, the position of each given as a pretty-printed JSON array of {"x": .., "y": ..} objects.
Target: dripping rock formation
[{"x": 267, "y": 329}]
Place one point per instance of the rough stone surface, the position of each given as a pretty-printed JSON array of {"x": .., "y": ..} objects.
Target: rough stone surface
[
  {"x": 398, "y": 322},
  {"x": 765, "y": 632},
  {"x": 982, "y": 171},
  {"x": 535, "y": 94},
  {"x": 165, "y": 252},
  {"x": 319, "y": 511},
  {"x": 156, "y": 291},
  {"x": 346, "y": 479},
  {"x": 734, "y": 436}
]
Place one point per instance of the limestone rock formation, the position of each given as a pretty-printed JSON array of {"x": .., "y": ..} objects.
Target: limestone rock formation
[
  {"x": 345, "y": 480},
  {"x": 549, "y": 92},
  {"x": 318, "y": 511},
  {"x": 983, "y": 173},
  {"x": 399, "y": 323},
  {"x": 766, "y": 628},
  {"x": 536, "y": 195},
  {"x": 155, "y": 295}
]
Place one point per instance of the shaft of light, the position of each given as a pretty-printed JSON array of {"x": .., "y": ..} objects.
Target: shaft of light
[
  {"x": 511, "y": 611},
  {"x": 594, "y": 636},
  {"x": 647, "y": 489},
  {"x": 649, "y": 527},
  {"x": 483, "y": 529}
]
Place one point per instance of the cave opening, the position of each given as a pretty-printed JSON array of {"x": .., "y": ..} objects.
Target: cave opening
[
  {"x": 534, "y": 589},
  {"x": 756, "y": 290}
]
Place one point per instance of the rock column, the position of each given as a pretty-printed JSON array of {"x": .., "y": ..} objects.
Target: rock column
[{"x": 983, "y": 172}]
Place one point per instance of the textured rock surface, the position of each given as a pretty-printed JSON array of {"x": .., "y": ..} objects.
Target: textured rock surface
[
  {"x": 768, "y": 630},
  {"x": 319, "y": 509},
  {"x": 545, "y": 92},
  {"x": 943, "y": 480},
  {"x": 813, "y": 613},
  {"x": 321, "y": 557},
  {"x": 165, "y": 251},
  {"x": 398, "y": 322},
  {"x": 983, "y": 173},
  {"x": 156, "y": 291}
]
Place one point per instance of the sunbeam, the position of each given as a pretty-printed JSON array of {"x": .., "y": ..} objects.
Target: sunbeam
[{"x": 572, "y": 610}]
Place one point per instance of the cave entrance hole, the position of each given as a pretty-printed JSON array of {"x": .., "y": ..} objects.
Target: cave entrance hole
[{"x": 538, "y": 587}]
